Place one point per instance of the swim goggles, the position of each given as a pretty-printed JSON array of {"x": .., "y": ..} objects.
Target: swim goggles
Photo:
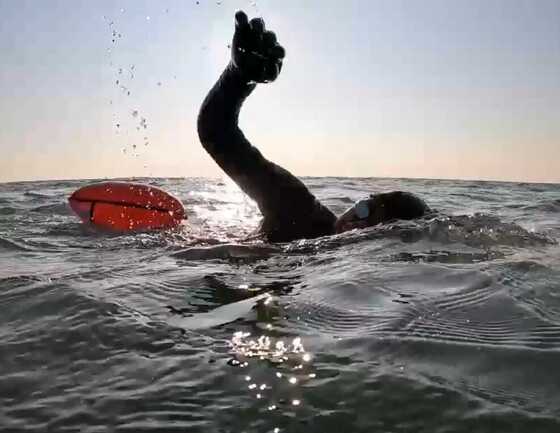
[{"x": 361, "y": 209}]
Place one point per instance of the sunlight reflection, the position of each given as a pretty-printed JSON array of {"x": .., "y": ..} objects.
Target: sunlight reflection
[
  {"x": 287, "y": 355},
  {"x": 263, "y": 347},
  {"x": 224, "y": 208}
]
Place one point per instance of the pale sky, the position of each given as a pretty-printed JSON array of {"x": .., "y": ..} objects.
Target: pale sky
[{"x": 420, "y": 88}]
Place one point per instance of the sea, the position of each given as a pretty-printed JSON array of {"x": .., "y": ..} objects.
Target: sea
[{"x": 449, "y": 323}]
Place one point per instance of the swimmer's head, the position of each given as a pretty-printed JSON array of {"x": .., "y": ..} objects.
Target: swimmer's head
[{"x": 381, "y": 208}]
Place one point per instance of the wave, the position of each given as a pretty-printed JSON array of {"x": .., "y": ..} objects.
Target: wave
[
  {"x": 479, "y": 314},
  {"x": 10, "y": 245},
  {"x": 450, "y": 257},
  {"x": 226, "y": 251},
  {"x": 480, "y": 230},
  {"x": 18, "y": 281},
  {"x": 477, "y": 231},
  {"x": 7, "y": 210},
  {"x": 549, "y": 206},
  {"x": 53, "y": 209},
  {"x": 35, "y": 194}
]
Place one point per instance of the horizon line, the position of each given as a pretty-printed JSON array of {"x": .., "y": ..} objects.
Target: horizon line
[{"x": 132, "y": 178}]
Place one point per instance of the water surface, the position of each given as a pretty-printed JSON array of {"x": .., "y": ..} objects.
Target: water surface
[{"x": 448, "y": 324}]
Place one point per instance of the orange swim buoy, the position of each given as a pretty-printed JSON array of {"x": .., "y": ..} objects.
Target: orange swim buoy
[{"x": 122, "y": 206}]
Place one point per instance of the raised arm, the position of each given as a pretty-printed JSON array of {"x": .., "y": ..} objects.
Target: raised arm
[{"x": 290, "y": 211}]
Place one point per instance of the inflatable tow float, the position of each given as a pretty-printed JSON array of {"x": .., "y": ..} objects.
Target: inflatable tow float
[{"x": 121, "y": 206}]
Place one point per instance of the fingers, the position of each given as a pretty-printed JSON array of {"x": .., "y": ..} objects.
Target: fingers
[
  {"x": 277, "y": 51},
  {"x": 269, "y": 38},
  {"x": 257, "y": 25},
  {"x": 241, "y": 19},
  {"x": 271, "y": 46},
  {"x": 271, "y": 70},
  {"x": 255, "y": 50},
  {"x": 257, "y": 31}
]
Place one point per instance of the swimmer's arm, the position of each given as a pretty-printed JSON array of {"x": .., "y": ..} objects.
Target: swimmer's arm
[
  {"x": 256, "y": 57},
  {"x": 219, "y": 131}
]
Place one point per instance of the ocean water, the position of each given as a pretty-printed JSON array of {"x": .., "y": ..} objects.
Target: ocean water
[{"x": 447, "y": 324}]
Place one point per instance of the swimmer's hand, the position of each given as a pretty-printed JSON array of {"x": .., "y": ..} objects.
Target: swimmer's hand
[{"x": 255, "y": 51}]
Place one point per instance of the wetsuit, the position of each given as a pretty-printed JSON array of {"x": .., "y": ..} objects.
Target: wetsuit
[{"x": 290, "y": 211}]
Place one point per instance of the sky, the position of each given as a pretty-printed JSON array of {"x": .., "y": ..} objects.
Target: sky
[{"x": 460, "y": 89}]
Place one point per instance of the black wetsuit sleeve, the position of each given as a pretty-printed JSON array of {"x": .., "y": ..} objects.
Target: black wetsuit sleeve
[{"x": 290, "y": 211}]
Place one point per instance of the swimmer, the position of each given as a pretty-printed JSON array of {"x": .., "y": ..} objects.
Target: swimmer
[{"x": 289, "y": 209}]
